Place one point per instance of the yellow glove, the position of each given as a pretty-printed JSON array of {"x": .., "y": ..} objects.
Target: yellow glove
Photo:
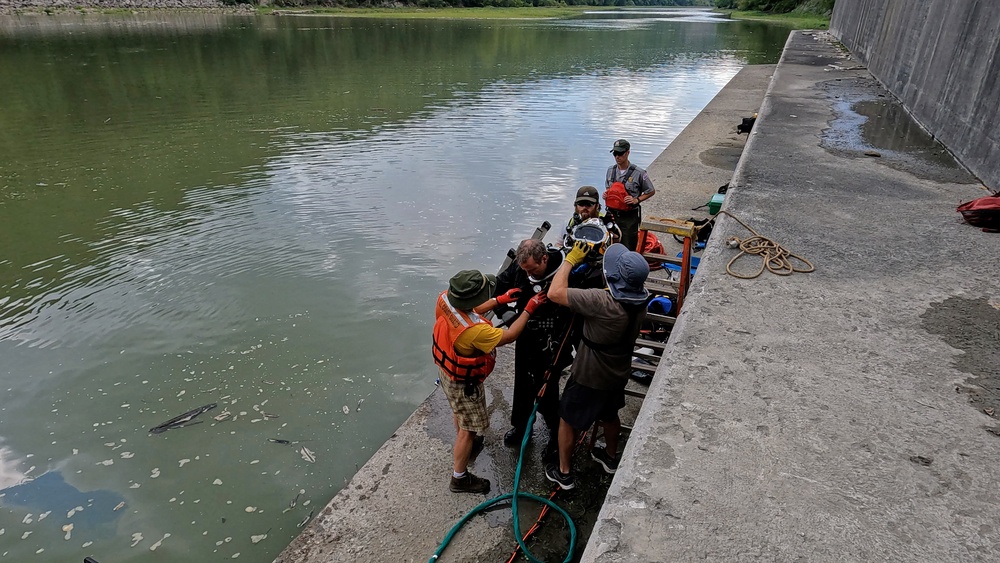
[{"x": 579, "y": 252}]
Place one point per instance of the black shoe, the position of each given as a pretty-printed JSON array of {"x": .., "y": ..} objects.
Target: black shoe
[
  {"x": 469, "y": 483},
  {"x": 564, "y": 480},
  {"x": 600, "y": 455},
  {"x": 513, "y": 437}
]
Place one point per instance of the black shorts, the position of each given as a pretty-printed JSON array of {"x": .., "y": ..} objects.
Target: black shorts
[{"x": 581, "y": 406}]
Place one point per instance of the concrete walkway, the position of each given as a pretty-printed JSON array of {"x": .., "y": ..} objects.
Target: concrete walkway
[
  {"x": 840, "y": 415},
  {"x": 398, "y": 507}
]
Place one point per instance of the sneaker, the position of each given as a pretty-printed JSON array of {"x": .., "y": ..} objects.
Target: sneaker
[
  {"x": 564, "y": 480},
  {"x": 513, "y": 437},
  {"x": 600, "y": 455},
  {"x": 470, "y": 484}
]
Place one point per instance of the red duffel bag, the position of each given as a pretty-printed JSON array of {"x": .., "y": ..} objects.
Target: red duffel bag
[{"x": 983, "y": 212}]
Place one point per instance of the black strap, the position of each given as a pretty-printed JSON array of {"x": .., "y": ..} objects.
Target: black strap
[{"x": 454, "y": 369}]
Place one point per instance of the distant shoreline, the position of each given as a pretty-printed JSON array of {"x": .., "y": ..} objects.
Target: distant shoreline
[
  {"x": 65, "y": 7},
  {"x": 111, "y": 7}
]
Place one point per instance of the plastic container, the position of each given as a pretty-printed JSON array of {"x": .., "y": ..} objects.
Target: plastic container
[
  {"x": 715, "y": 204},
  {"x": 660, "y": 305},
  {"x": 675, "y": 270}
]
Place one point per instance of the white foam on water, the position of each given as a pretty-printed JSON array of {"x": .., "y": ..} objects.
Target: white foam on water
[{"x": 9, "y": 473}]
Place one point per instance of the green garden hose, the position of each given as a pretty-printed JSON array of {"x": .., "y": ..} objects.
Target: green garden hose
[{"x": 513, "y": 496}]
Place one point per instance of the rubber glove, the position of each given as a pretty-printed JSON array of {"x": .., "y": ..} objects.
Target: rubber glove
[
  {"x": 509, "y": 297},
  {"x": 536, "y": 302},
  {"x": 579, "y": 252}
]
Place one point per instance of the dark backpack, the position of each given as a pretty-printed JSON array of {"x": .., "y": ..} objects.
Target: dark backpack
[{"x": 704, "y": 227}]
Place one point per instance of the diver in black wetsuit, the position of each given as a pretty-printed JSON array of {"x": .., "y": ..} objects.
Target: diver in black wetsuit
[{"x": 536, "y": 347}]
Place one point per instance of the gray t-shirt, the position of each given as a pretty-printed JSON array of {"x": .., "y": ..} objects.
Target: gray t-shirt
[{"x": 606, "y": 323}]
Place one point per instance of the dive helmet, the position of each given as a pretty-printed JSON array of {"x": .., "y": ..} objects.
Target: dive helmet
[{"x": 593, "y": 231}]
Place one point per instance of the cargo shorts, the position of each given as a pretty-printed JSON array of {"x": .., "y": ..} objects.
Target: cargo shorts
[{"x": 470, "y": 412}]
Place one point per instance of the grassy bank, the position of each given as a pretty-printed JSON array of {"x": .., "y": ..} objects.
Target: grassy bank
[
  {"x": 437, "y": 13},
  {"x": 794, "y": 20}
]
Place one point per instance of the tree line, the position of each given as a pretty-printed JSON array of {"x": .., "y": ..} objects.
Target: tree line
[
  {"x": 479, "y": 3},
  {"x": 823, "y": 7}
]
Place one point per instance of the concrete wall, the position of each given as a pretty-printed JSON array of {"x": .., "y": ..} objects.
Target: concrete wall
[{"x": 941, "y": 58}]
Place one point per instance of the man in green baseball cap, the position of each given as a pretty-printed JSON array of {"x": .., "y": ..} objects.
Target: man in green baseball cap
[{"x": 464, "y": 350}]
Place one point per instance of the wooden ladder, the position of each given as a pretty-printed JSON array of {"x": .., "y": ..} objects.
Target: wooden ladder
[{"x": 676, "y": 290}]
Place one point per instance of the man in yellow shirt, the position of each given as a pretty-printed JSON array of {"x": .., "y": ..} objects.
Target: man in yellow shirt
[{"x": 465, "y": 352}]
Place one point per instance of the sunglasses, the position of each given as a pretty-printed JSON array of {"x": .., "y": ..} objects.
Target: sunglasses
[
  {"x": 618, "y": 153},
  {"x": 585, "y": 204}
]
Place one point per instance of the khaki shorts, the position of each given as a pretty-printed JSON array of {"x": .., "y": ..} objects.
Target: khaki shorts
[{"x": 469, "y": 411}]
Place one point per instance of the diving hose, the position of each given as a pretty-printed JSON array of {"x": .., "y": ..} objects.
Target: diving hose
[
  {"x": 516, "y": 494},
  {"x": 513, "y": 497}
]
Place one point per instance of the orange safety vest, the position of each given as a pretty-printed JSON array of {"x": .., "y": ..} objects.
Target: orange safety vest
[{"x": 449, "y": 323}]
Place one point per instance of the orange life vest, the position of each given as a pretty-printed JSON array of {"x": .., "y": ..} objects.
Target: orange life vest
[
  {"x": 652, "y": 244},
  {"x": 449, "y": 323}
]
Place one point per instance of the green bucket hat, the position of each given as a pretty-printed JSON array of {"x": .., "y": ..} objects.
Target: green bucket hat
[{"x": 470, "y": 288}]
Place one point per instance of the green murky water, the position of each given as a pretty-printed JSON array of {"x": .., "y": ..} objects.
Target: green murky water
[{"x": 258, "y": 213}]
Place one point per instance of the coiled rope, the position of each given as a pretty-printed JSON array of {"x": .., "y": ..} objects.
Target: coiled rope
[{"x": 774, "y": 257}]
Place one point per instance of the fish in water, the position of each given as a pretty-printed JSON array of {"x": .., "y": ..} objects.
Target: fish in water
[
  {"x": 182, "y": 420},
  {"x": 305, "y": 520}
]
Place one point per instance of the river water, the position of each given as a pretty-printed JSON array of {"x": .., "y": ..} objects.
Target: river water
[{"x": 258, "y": 212}]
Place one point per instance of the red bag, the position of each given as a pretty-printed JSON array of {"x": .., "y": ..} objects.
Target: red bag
[
  {"x": 652, "y": 244},
  {"x": 983, "y": 212},
  {"x": 614, "y": 197}
]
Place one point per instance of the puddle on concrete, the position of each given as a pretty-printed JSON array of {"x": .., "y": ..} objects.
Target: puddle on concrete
[
  {"x": 871, "y": 123},
  {"x": 973, "y": 326},
  {"x": 889, "y": 128},
  {"x": 724, "y": 157}
]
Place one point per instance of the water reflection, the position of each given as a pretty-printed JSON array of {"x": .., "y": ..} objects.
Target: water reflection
[{"x": 258, "y": 213}]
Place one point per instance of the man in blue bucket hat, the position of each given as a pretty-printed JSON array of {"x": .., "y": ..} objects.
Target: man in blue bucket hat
[{"x": 611, "y": 320}]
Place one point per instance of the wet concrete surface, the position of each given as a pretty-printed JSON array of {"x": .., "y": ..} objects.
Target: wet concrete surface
[
  {"x": 398, "y": 506},
  {"x": 870, "y": 123},
  {"x": 972, "y": 326}
]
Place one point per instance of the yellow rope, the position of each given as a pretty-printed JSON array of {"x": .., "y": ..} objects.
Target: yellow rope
[{"x": 774, "y": 257}]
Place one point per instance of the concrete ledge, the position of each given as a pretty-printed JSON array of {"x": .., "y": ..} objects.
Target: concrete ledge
[{"x": 824, "y": 416}]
